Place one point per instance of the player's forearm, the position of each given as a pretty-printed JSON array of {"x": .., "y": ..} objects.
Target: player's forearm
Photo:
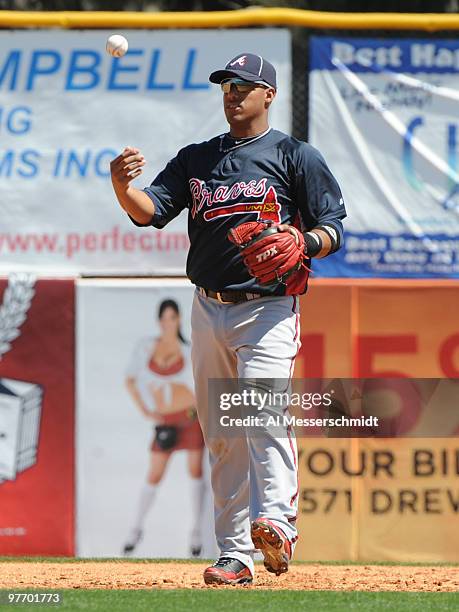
[
  {"x": 136, "y": 203},
  {"x": 324, "y": 239}
]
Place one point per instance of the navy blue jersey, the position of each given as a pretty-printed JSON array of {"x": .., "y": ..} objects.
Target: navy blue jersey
[{"x": 224, "y": 182}]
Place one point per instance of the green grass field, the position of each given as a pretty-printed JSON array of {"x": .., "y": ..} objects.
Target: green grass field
[{"x": 244, "y": 599}]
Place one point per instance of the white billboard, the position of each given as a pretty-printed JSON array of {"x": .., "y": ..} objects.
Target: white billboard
[
  {"x": 384, "y": 113},
  {"x": 67, "y": 108},
  {"x": 139, "y": 492}
]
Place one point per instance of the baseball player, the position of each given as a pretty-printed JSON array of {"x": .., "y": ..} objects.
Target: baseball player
[{"x": 260, "y": 205}]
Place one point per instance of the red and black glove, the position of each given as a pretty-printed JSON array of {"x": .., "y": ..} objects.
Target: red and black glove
[{"x": 270, "y": 252}]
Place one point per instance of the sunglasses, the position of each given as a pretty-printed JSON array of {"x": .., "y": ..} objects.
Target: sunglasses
[{"x": 240, "y": 85}]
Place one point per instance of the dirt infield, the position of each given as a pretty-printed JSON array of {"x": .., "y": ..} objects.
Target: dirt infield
[{"x": 132, "y": 575}]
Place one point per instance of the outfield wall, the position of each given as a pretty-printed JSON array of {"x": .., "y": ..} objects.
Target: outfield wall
[
  {"x": 381, "y": 499},
  {"x": 347, "y": 510}
]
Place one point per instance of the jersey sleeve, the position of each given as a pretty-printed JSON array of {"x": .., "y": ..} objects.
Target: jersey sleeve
[
  {"x": 169, "y": 191},
  {"x": 317, "y": 192}
]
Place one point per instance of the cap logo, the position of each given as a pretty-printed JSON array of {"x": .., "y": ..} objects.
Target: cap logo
[{"x": 240, "y": 60}]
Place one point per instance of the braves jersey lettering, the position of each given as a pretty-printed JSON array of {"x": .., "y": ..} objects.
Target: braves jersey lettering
[
  {"x": 201, "y": 195},
  {"x": 266, "y": 210},
  {"x": 274, "y": 177}
]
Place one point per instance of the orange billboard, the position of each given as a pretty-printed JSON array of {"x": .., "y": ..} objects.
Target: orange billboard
[{"x": 370, "y": 499}]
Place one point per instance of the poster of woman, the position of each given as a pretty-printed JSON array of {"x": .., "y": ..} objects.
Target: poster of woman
[
  {"x": 142, "y": 472},
  {"x": 160, "y": 383}
]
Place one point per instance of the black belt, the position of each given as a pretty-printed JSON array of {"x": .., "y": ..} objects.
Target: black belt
[{"x": 229, "y": 296}]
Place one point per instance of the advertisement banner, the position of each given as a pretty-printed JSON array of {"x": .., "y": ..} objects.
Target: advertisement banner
[
  {"x": 379, "y": 330},
  {"x": 369, "y": 499},
  {"x": 36, "y": 416},
  {"x": 326, "y": 524},
  {"x": 411, "y": 332},
  {"x": 68, "y": 108},
  {"x": 326, "y": 346},
  {"x": 409, "y": 509},
  {"x": 384, "y": 115},
  {"x": 143, "y": 483}
]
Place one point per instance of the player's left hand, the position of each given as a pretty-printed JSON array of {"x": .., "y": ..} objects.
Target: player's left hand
[{"x": 270, "y": 252}]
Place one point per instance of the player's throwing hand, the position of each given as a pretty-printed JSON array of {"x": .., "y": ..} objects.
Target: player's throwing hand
[{"x": 126, "y": 166}]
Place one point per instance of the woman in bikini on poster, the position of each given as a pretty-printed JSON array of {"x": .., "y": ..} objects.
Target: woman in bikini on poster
[{"x": 160, "y": 382}]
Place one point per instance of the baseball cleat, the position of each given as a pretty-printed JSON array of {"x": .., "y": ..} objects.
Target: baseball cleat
[
  {"x": 273, "y": 544},
  {"x": 227, "y": 571}
]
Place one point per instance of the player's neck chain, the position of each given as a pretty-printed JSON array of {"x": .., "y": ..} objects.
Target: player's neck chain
[{"x": 239, "y": 142}]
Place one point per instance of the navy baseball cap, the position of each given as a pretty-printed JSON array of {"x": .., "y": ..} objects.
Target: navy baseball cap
[{"x": 249, "y": 67}]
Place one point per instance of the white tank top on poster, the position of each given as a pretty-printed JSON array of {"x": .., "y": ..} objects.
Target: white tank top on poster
[{"x": 147, "y": 376}]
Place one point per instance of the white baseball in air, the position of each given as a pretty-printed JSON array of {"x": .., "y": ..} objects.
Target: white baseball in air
[{"x": 116, "y": 45}]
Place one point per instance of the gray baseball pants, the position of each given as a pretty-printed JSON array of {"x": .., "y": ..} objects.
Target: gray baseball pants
[{"x": 252, "y": 476}]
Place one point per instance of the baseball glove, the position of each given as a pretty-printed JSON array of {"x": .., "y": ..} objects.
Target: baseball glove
[{"x": 270, "y": 254}]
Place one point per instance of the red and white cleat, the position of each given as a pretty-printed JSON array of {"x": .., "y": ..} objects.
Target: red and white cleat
[
  {"x": 273, "y": 544},
  {"x": 227, "y": 571}
]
